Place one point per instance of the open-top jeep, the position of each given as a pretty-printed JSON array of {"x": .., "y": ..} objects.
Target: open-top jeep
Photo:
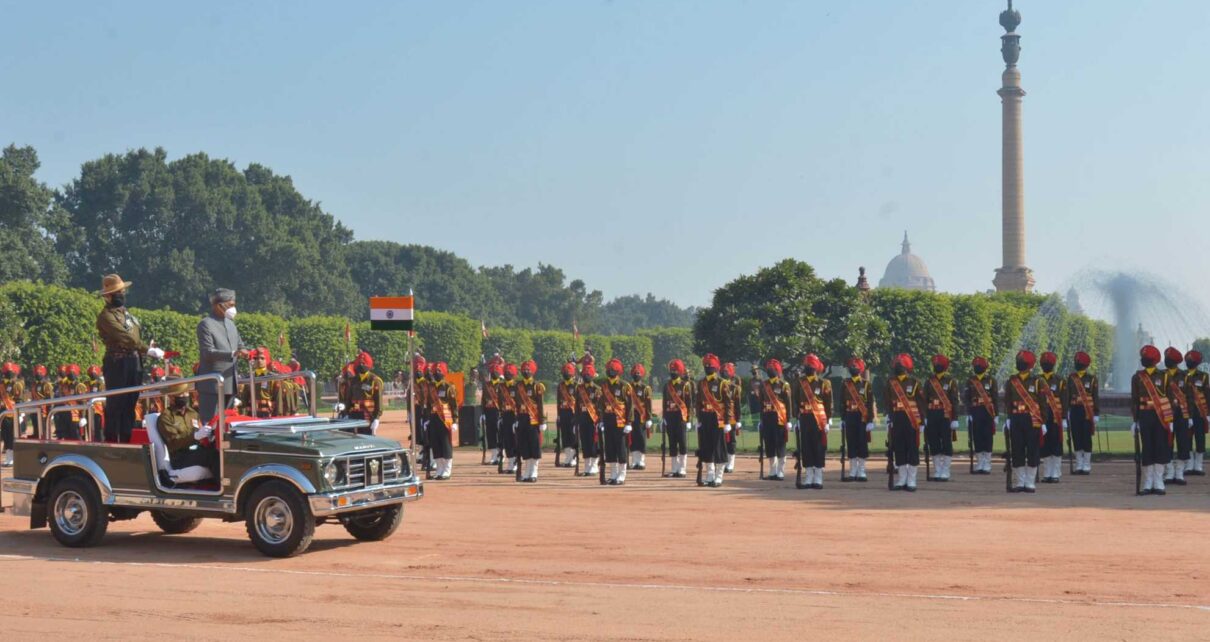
[{"x": 282, "y": 476}]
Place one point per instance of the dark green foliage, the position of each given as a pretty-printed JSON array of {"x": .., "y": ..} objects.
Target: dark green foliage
[{"x": 632, "y": 350}]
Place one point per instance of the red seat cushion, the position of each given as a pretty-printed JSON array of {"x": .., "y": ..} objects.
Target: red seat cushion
[{"x": 138, "y": 436}]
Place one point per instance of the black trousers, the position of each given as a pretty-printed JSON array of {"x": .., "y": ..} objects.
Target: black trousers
[
  {"x": 6, "y": 433},
  {"x": 566, "y": 425},
  {"x": 1183, "y": 437},
  {"x": 814, "y": 442},
  {"x": 856, "y": 438},
  {"x": 674, "y": 425},
  {"x": 1081, "y": 429},
  {"x": 937, "y": 433},
  {"x": 439, "y": 439},
  {"x": 508, "y": 438},
  {"x": 196, "y": 456},
  {"x": 1026, "y": 445},
  {"x": 491, "y": 427},
  {"x": 710, "y": 439},
  {"x": 1153, "y": 439},
  {"x": 65, "y": 426},
  {"x": 1052, "y": 443},
  {"x": 638, "y": 436},
  {"x": 588, "y": 435},
  {"x": 772, "y": 435},
  {"x": 422, "y": 432},
  {"x": 983, "y": 429},
  {"x": 121, "y": 372},
  {"x": 616, "y": 449},
  {"x": 1199, "y": 434},
  {"x": 905, "y": 442},
  {"x": 529, "y": 438}
]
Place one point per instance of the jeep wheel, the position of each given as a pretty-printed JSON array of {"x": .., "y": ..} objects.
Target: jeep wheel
[
  {"x": 279, "y": 521},
  {"x": 376, "y": 524},
  {"x": 175, "y": 524},
  {"x": 77, "y": 519}
]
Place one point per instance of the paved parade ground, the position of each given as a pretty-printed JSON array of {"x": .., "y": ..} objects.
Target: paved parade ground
[{"x": 482, "y": 557}]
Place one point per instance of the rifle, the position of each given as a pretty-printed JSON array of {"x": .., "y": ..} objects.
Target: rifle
[
  {"x": 663, "y": 448},
  {"x": 890, "y": 455},
  {"x": 760, "y": 439},
  {"x": 601, "y": 456},
  {"x": 575, "y": 431},
  {"x": 482, "y": 440},
  {"x": 1008, "y": 460},
  {"x": 499, "y": 449},
  {"x": 517, "y": 447},
  {"x": 844, "y": 444},
  {"x": 928, "y": 467},
  {"x": 1071, "y": 451},
  {"x": 558, "y": 439},
  {"x": 970, "y": 440},
  {"x": 798, "y": 456},
  {"x": 1138, "y": 463}
]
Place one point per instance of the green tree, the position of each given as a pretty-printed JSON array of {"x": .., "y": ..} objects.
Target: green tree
[
  {"x": 920, "y": 323},
  {"x": 319, "y": 344},
  {"x": 388, "y": 348},
  {"x": 450, "y": 338},
  {"x": 28, "y": 215},
  {"x": 551, "y": 351},
  {"x": 171, "y": 331},
  {"x": 268, "y": 330},
  {"x": 628, "y": 314},
  {"x": 514, "y": 345},
  {"x": 540, "y": 300},
  {"x": 672, "y": 343},
  {"x": 972, "y": 332},
  {"x": 601, "y": 348},
  {"x": 58, "y": 324},
  {"x": 632, "y": 350}
]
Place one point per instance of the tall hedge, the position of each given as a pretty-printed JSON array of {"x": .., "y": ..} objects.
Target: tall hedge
[
  {"x": 389, "y": 349},
  {"x": 269, "y": 330},
  {"x": 601, "y": 347},
  {"x": 450, "y": 338},
  {"x": 920, "y": 323},
  {"x": 632, "y": 350},
  {"x": 514, "y": 345},
  {"x": 672, "y": 343},
  {"x": 551, "y": 351},
  {"x": 319, "y": 344},
  {"x": 59, "y": 324},
  {"x": 171, "y": 331},
  {"x": 972, "y": 332}
]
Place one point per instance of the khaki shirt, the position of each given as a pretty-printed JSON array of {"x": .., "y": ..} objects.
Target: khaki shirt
[
  {"x": 120, "y": 331},
  {"x": 177, "y": 428}
]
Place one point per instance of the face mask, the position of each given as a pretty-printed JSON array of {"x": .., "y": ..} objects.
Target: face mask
[
  {"x": 566, "y": 377},
  {"x": 899, "y": 370},
  {"x": 637, "y": 378},
  {"x": 1048, "y": 369},
  {"x": 1171, "y": 365},
  {"x": 1022, "y": 366},
  {"x": 853, "y": 372},
  {"x": 980, "y": 369},
  {"x": 117, "y": 301},
  {"x": 71, "y": 377},
  {"x": 362, "y": 369},
  {"x": 938, "y": 369},
  {"x": 229, "y": 313},
  {"x": 711, "y": 371},
  {"x": 180, "y": 403},
  {"x": 809, "y": 371},
  {"x": 437, "y": 376}
]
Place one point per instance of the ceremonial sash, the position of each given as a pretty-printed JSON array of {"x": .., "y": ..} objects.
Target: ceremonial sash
[
  {"x": 1056, "y": 408},
  {"x": 567, "y": 400},
  {"x": 947, "y": 406},
  {"x": 1035, "y": 413},
  {"x": 1199, "y": 399},
  {"x": 775, "y": 400},
  {"x": 493, "y": 396},
  {"x": 507, "y": 403},
  {"x": 614, "y": 404},
  {"x": 817, "y": 409},
  {"x": 441, "y": 407},
  {"x": 638, "y": 404},
  {"x": 711, "y": 402},
  {"x": 909, "y": 408},
  {"x": 856, "y": 402},
  {"x": 670, "y": 390},
  {"x": 1159, "y": 403},
  {"x": 588, "y": 406},
  {"x": 1175, "y": 391},
  {"x": 1082, "y": 395},
  {"x": 982, "y": 398},
  {"x": 527, "y": 403}
]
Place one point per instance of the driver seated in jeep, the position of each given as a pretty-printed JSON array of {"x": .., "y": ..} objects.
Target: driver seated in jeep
[{"x": 182, "y": 433}]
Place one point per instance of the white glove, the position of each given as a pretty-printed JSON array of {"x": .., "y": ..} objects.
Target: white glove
[
  {"x": 21, "y": 418},
  {"x": 1006, "y": 426},
  {"x": 970, "y": 419},
  {"x": 1064, "y": 423},
  {"x": 1170, "y": 428},
  {"x": 869, "y": 427},
  {"x": 727, "y": 428},
  {"x": 827, "y": 427},
  {"x": 235, "y": 402},
  {"x": 601, "y": 426},
  {"x": 1096, "y": 419},
  {"x": 739, "y": 425},
  {"x": 155, "y": 353},
  {"x": 1134, "y": 428},
  {"x": 542, "y": 427},
  {"x": 889, "y": 425},
  {"x": 953, "y": 425},
  {"x": 453, "y": 427},
  {"x": 1043, "y": 430},
  {"x": 83, "y": 422},
  {"x": 1190, "y": 423},
  {"x": 688, "y": 426},
  {"x": 649, "y": 423},
  {"x": 515, "y": 424},
  {"x": 626, "y": 430},
  {"x": 203, "y": 433},
  {"x": 374, "y": 427},
  {"x": 339, "y": 407},
  {"x": 790, "y": 426}
]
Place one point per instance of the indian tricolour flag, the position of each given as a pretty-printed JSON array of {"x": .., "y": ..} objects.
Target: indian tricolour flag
[{"x": 391, "y": 313}]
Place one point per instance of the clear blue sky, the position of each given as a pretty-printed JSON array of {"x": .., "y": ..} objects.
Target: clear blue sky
[{"x": 658, "y": 146}]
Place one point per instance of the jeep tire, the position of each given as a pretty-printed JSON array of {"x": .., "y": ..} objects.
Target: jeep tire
[
  {"x": 278, "y": 519},
  {"x": 175, "y": 524},
  {"x": 375, "y": 524},
  {"x": 76, "y": 517}
]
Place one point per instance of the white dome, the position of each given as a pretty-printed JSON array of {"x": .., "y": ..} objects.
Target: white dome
[{"x": 907, "y": 271}]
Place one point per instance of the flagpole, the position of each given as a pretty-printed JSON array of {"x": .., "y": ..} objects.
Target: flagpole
[{"x": 412, "y": 380}]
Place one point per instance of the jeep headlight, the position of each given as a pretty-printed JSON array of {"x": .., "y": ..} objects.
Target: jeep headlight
[
  {"x": 331, "y": 473},
  {"x": 397, "y": 462}
]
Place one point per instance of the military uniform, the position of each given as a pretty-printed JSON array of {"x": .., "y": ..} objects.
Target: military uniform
[
  {"x": 177, "y": 428},
  {"x": 941, "y": 417},
  {"x": 857, "y": 416},
  {"x": 640, "y": 420},
  {"x": 12, "y": 392},
  {"x": 269, "y": 397},
  {"x": 508, "y": 420},
  {"x": 734, "y": 401},
  {"x": 123, "y": 367},
  {"x": 982, "y": 400},
  {"x": 588, "y": 416},
  {"x": 442, "y": 422},
  {"x": 530, "y": 400},
  {"x": 904, "y": 402},
  {"x": 1023, "y": 405},
  {"x": 677, "y": 404},
  {"x": 490, "y": 399},
  {"x": 776, "y": 407},
  {"x": 1198, "y": 385},
  {"x": 714, "y": 421},
  {"x": 1083, "y": 403},
  {"x": 1052, "y": 393},
  {"x": 1151, "y": 411},
  {"x": 565, "y": 422},
  {"x": 43, "y": 388},
  {"x": 616, "y": 408},
  {"x": 813, "y": 401},
  {"x": 365, "y": 400},
  {"x": 68, "y": 424},
  {"x": 420, "y": 402}
]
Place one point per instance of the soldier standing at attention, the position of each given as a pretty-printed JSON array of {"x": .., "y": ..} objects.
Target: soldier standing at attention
[
  {"x": 1052, "y": 391},
  {"x": 268, "y": 395},
  {"x": 43, "y": 388},
  {"x": 1083, "y": 403},
  {"x": 588, "y": 415},
  {"x": 68, "y": 424},
  {"x": 814, "y": 400},
  {"x": 616, "y": 410},
  {"x": 123, "y": 361},
  {"x": 905, "y": 398},
  {"x": 531, "y": 420},
  {"x": 1022, "y": 404},
  {"x": 1197, "y": 382},
  {"x": 776, "y": 405},
  {"x": 735, "y": 404},
  {"x": 1151, "y": 411},
  {"x": 941, "y": 418},
  {"x": 678, "y": 401},
  {"x": 714, "y": 421},
  {"x": 508, "y": 418},
  {"x": 857, "y": 418},
  {"x": 365, "y": 393},
  {"x": 565, "y": 423},
  {"x": 640, "y": 417},
  {"x": 491, "y": 409},
  {"x": 420, "y": 405},
  {"x": 1182, "y": 422},
  {"x": 982, "y": 397},
  {"x": 442, "y": 422},
  {"x": 12, "y": 392}
]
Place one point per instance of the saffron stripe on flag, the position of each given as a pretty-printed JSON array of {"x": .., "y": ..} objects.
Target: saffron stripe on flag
[{"x": 396, "y": 302}]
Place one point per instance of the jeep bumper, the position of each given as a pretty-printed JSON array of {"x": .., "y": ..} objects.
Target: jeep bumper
[
  {"x": 22, "y": 491},
  {"x": 326, "y": 504}
]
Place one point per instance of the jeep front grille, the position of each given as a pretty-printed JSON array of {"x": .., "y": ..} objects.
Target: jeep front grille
[{"x": 372, "y": 469}]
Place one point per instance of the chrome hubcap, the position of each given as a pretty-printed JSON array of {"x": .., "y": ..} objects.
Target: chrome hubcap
[
  {"x": 274, "y": 520},
  {"x": 71, "y": 513}
]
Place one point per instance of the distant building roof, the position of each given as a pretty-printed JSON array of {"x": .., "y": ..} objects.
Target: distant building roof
[{"x": 907, "y": 271}]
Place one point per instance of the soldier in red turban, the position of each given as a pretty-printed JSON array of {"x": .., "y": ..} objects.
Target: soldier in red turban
[
  {"x": 508, "y": 421},
  {"x": 813, "y": 410},
  {"x": 678, "y": 404},
  {"x": 588, "y": 417},
  {"x": 1151, "y": 410},
  {"x": 905, "y": 421},
  {"x": 493, "y": 402},
  {"x": 857, "y": 418},
  {"x": 715, "y": 421},
  {"x": 941, "y": 416},
  {"x": 982, "y": 399},
  {"x": 1198, "y": 383},
  {"x": 735, "y": 401},
  {"x": 1083, "y": 403},
  {"x": 443, "y": 420},
  {"x": 531, "y": 420},
  {"x": 774, "y": 397},
  {"x": 1182, "y": 423},
  {"x": 565, "y": 421},
  {"x": 1024, "y": 427},
  {"x": 1052, "y": 390},
  {"x": 640, "y": 417}
]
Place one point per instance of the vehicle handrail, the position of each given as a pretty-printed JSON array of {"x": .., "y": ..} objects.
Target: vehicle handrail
[{"x": 309, "y": 375}]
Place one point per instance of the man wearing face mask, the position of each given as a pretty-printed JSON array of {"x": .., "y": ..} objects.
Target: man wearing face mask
[
  {"x": 714, "y": 422},
  {"x": 982, "y": 397},
  {"x": 1025, "y": 426},
  {"x": 1083, "y": 403},
  {"x": 678, "y": 400},
  {"x": 616, "y": 410},
  {"x": 268, "y": 394},
  {"x": 12, "y": 392},
  {"x": 1182, "y": 423},
  {"x": 219, "y": 347},
  {"x": 813, "y": 407},
  {"x": 640, "y": 417},
  {"x": 588, "y": 416},
  {"x": 491, "y": 410},
  {"x": 365, "y": 393},
  {"x": 442, "y": 422},
  {"x": 941, "y": 418},
  {"x": 1151, "y": 411},
  {"x": 734, "y": 403},
  {"x": 1197, "y": 383},
  {"x": 904, "y": 399},
  {"x": 857, "y": 420},
  {"x": 42, "y": 388},
  {"x": 68, "y": 424},
  {"x": 185, "y": 437},
  {"x": 1052, "y": 389},
  {"x": 775, "y": 398},
  {"x": 531, "y": 420},
  {"x": 508, "y": 420},
  {"x": 565, "y": 400},
  {"x": 123, "y": 362}
]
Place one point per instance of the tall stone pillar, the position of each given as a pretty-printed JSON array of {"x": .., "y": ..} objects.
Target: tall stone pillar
[{"x": 1013, "y": 276}]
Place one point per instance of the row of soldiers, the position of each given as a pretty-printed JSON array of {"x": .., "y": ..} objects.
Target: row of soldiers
[{"x": 14, "y": 389}]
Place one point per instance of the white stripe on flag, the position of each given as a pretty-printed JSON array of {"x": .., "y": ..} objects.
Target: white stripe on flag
[{"x": 394, "y": 314}]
